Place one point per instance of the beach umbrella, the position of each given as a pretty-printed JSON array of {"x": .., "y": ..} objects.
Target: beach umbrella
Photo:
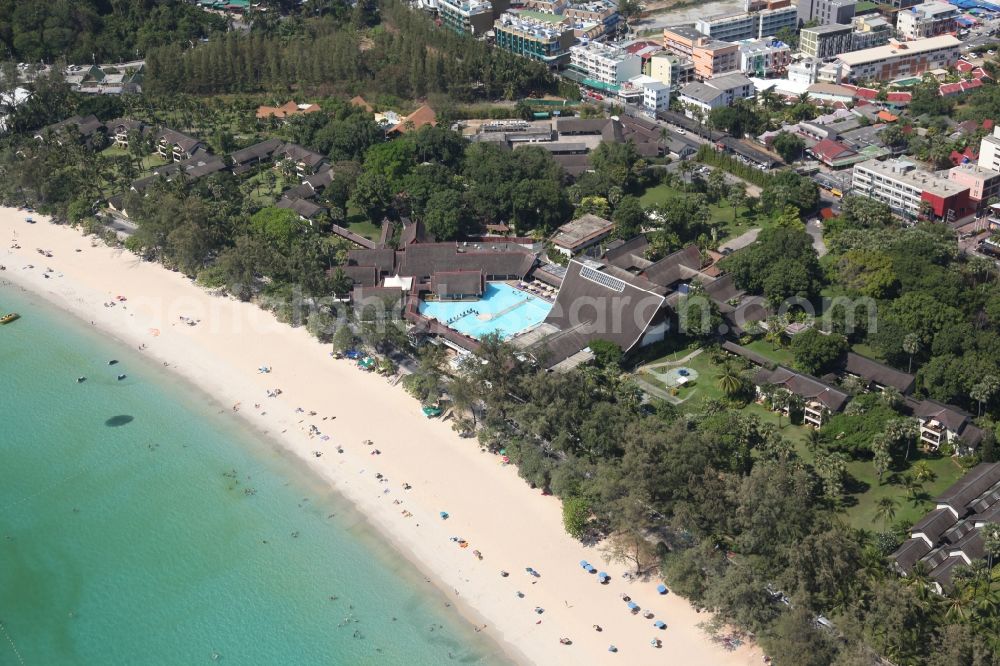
[
  {"x": 602, "y": 576},
  {"x": 612, "y": 648},
  {"x": 633, "y": 606},
  {"x": 591, "y": 568},
  {"x": 584, "y": 564},
  {"x": 444, "y": 515},
  {"x": 661, "y": 588},
  {"x": 660, "y": 624}
]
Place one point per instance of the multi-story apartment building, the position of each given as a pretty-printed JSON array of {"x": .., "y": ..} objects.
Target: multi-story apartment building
[
  {"x": 656, "y": 96},
  {"x": 601, "y": 13},
  {"x": 870, "y": 32},
  {"x": 701, "y": 98},
  {"x": 671, "y": 70},
  {"x": 899, "y": 59},
  {"x": 712, "y": 58},
  {"x": 825, "y": 12},
  {"x": 474, "y": 17},
  {"x": 764, "y": 58},
  {"x": 910, "y": 192},
  {"x": 989, "y": 150},
  {"x": 607, "y": 66},
  {"x": 756, "y": 25},
  {"x": 825, "y": 41},
  {"x": 814, "y": 70},
  {"x": 983, "y": 184},
  {"x": 681, "y": 40},
  {"x": 546, "y": 42},
  {"x": 927, "y": 20}
]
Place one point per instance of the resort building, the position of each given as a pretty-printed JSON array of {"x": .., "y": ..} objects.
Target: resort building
[
  {"x": 825, "y": 12},
  {"x": 121, "y": 129},
  {"x": 474, "y": 17},
  {"x": 307, "y": 162},
  {"x": 603, "y": 66},
  {"x": 869, "y": 32},
  {"x": 671, "y": 70},
  {"x": 545, "y": 42},
  {"x": 247, "y": 158},
  {"x": 877, "y": 376},
  {"x": 458, "y": 285},
  {"x": 940, "y": 424},
  {"x": 764, "y": 58},
  {"x": 819, "y": 400},
  {"x": 900, "y": 59},
  {"x": 911, "y": 193},
  {"x": 950, "y": 535},
  {"x": 580, "y": 234},
  {"x": 286, "y": 110},
  {"x": 927, "y": 20},
  {"x": 983, "y": 184},
  {"x": 176, "y": 147}
]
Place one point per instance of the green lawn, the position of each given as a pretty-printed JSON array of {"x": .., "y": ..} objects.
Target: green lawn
[
  {"x": 867, "y": 491},
  {"x": 359, "y": 224},
  {"x": 720, "y": 214},
  {"x": 782, "y": 355}
]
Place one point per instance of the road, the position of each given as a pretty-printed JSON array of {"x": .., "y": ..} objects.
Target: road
[
  {"x": 814, "y": 229},
  {"x": 741, "y": 241}
]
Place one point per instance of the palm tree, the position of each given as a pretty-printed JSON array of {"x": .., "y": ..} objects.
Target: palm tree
[
  {"x": 814, "y": 441},
  {"x": 885, "y": 511},
  {"x": 780, "y": 402},
  {"x": 730, "y": 381},
  {"x": 922, "y": 471},
  {"x": 911, "y": 345}
]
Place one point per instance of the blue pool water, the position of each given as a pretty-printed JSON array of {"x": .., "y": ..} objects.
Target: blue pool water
[{"x": 502, "y": 308}]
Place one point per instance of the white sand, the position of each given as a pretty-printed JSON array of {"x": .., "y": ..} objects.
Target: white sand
[{"x": 514, "y": 526}]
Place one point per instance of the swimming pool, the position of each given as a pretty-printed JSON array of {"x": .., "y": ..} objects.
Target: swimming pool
[
  {"x": 502, "y": 308},
  {"x": 906, "y": 83}
]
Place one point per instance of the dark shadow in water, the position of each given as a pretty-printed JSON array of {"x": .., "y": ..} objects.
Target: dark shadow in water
[{"x": 120, "y": 420}]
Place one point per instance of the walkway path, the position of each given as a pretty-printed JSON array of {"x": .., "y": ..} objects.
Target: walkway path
[
  {"x": 741, "y": 241},
  {"x": 814, "y": 230}
]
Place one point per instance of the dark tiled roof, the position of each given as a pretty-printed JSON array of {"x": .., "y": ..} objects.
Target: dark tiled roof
[
  {"x": 630, "y": 255},
  {"x": 259, "y": 151},
  {"x": 175, "y": 138},
  {"x": 422, "y": 260},
  {"x": 907, "y": 555},
  {"x": 321, "y": 179},
  {"x": 581, "y": 125},
  {"x": 805, "y": 386},
  {"x": 384, "y": 259},
  {"x": 303, "y": 207},
  {"x": 303, "y": 191},
  {"x": 413, "y": 232},
  {"x": 446, "y": 283},
  {"x": 671, "y": 268},
  {"x": 934, "y": 524},
  {"x": 584, "y": 229},
  {"x": 357, "y": 239},
  {"x": 978, "y": 480},
  {"x": 574, "y": 165},
  {"x": 596, "y": 305},
  {"x": 748, "y": 354},
  {"x": 878, "y": 373},
  {"x": 123, "y": 124},
  {"x": 296, "y": 152},
  {"x": 363, "y": 276},
  {"x": 952, "y": 417}
]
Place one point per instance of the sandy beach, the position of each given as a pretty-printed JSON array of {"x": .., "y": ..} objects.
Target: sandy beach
[{"x": 489, "y": 506}]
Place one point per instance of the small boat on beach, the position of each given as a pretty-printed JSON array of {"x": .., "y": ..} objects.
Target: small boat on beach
[{"x": 7, "y": 318}]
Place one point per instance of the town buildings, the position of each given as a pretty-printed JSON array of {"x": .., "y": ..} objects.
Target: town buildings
[
  {"x": 715, "y": 93},
  {"x": 901, "y": 59},
  {"x": 604, "y": 66},
  {"x": 829, "y": 41},
  {"x": 525, "y": 36},
  {"x": 751, "y": 25},
  {"x": 910, "y": 192},
  {"x": 714, "y": 57},
  {"x": 825, "y": 12},
  {"x": 671, "y": 70},
  {"x": 656, "y": 97},
  {"x": 764, "y": 58},
  {"x": 927, "y": 20},
  {"x": 983, "y": 184},
  {"x": 475, "y": 17},
  {"x": 989, "y": 150}
]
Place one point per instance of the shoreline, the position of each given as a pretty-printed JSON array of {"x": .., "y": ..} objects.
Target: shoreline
[
  {"x": 371, "y": 533},
  {"x": 489, "y": 505}
]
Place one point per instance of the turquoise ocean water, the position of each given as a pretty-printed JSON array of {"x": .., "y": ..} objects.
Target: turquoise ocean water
[{"x": 133, "y": 522}]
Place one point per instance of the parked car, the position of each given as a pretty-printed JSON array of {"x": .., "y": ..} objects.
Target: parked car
[{"x": 680, "y": 131}]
